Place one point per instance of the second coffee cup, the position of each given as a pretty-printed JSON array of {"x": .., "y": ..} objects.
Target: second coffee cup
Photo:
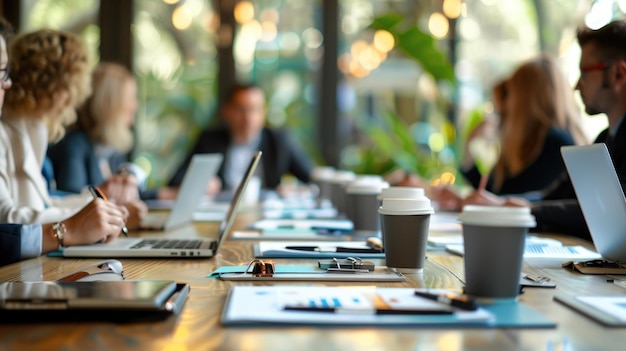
[
  {"x": 404, "y": 227},
  {"x": 494, "y": 240}
]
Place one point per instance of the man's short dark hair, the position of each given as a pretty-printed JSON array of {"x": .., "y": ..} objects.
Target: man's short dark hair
[
  {"x": 238, "y": 87},
  {"x": 609, "y": 41}
]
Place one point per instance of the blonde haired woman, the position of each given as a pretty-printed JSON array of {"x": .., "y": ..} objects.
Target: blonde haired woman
[
  {"x": 538, "y": 117},
  {"x": 50, "y": 76},
  {"x": 95, "y": 146}
]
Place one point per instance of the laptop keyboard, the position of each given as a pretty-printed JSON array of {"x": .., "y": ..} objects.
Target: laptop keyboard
[{"x": 167, "y": 244}]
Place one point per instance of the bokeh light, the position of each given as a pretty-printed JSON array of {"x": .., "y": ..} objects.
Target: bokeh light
[
  {"x": 384, "y": 41},
  {"x": 244, "y": 12},
  {"x": 438, "y": 25}
]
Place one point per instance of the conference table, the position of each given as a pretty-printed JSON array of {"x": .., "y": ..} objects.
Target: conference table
[{"x": 198, "y": 325}]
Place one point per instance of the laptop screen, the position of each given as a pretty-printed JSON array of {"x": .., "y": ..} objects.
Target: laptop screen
[
  {"x": 227, "y": 223},
  {"x": 601, "y": 197}
]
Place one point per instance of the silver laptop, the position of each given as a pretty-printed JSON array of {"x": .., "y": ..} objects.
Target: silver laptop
[
  {"x": 202, "y": 168},
  {"x": 600, "y": 196},
  {"x": 185, "y": 246}
]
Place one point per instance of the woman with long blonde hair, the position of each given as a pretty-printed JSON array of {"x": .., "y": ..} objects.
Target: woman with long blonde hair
[
  {"x": 96, "y": 145},
  {"x": 539, "y": 116}
]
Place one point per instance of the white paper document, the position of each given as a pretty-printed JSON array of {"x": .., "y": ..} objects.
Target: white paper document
[
  {"x": 542, "y": 248},
  {"x": 613, "y": 306},
  {"x": 315, "y": 249},
  {"x": 315, "y": 305}
]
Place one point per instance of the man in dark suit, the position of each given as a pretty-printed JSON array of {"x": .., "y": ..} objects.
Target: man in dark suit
[
  {"x": 244, "y": 133},
  {"x": 602, "y": 86}
]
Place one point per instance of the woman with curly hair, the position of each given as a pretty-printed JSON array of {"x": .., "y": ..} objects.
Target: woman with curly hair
[{"x": 50, "y": 76}]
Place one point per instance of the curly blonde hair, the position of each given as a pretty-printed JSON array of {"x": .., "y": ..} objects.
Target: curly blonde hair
[{"x": 45, "y": 63}]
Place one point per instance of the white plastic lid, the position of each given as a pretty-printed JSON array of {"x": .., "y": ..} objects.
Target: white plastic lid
[
  {"x": 369, "y": 178},
  {"x": 402, "y": 192},
  {"x": 322, "y": 173},
  {"x": 393, "y": 206},
  {"x": 366, "y": 187},
  {"x": 342, "y": 177},
  {"x": 493, "y": 216}
]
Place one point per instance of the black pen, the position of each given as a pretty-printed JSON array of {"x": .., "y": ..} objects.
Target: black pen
[
  {"x": 334, "y": 249},
  {"x": 98, "y": 194},
  {"x": 461, "y": 302},
  {"x": 340, "y": 310}
]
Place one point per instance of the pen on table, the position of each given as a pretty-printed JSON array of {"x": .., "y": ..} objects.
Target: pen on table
[
  {"x": 333, "y": 249},
  {"x": 97, "y": 193},
  {"x": 460, "y": 302},
  {"x": 340, "y": 310}
]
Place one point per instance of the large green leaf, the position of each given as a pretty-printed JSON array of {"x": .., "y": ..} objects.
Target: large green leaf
[
  {"x": 418, "y": 45},
  {"x": 387, "y": 21}
]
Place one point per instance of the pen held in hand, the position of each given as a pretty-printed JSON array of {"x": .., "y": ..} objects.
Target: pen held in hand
[{"x": 98, "y": 194}]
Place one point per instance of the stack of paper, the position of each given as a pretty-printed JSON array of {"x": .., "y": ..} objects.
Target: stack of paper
[{"x": 351, "y": 306}]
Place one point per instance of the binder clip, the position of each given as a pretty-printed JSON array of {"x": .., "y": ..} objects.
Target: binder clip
[
  {"x": 348, "y": 265},
  {"x": 260, "y": 268}
]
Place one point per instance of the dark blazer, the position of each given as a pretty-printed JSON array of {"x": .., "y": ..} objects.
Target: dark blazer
[
  {"x": 559, "y": 210},
  {"x": 10, "y": 243},
  {"x": 281, "y": 155},
  {"x": 75, "y": 163},
  {"x": 539, "y": 174}
]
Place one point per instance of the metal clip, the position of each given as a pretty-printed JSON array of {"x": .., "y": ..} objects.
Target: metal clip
[
  {"x": 260, "y": 268},
  {"x": 356, "y": 264}
]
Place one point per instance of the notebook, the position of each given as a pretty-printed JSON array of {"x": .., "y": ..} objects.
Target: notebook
[
  {"x": 202, "y": 168},
  {"x": 72, "y": 301},
  {"x": 600, "y": 196},
  {"x": 168, "y": 247}
]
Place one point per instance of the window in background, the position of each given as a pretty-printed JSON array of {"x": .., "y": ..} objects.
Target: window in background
[
  {"x": 398, "y": 114},
  {"x": 175, "y": 66},
  {"x": 278, "y": 45},
  {"x": 76, "y": 16}
]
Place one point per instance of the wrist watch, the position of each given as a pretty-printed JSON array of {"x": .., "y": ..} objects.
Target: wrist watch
[{"x": 58, "y": 231}]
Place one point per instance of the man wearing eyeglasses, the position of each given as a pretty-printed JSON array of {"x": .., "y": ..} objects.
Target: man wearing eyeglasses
[{"x": 602, "y": 86}]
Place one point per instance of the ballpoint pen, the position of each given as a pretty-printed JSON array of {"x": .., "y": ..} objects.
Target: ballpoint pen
[
  {"x": 98, "y": 194},
  {"x": 334, "y": 249},
  {"x": 343, "y": 310},
  {"x": 461, "y": 302}
]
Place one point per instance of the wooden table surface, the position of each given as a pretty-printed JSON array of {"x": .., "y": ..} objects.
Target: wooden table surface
[{"x": 198, "y": 326}]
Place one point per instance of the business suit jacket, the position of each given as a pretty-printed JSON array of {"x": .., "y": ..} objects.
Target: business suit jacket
[
  {"x": 281, "y": 155},
  {"x": 24, "y": 195},
  {"x": 75, "y": 162},
  {"x": 559, "y": 210},
  {"x": 10, "y": 243}
]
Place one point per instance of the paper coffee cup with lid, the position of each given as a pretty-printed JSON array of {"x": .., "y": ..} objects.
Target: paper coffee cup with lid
[
  {"x": 404, "y": 228},
  {"x": 494, "y": 242}
]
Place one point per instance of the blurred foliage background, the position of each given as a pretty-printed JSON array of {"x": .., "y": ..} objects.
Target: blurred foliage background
[{"x": 400, "y": 105}]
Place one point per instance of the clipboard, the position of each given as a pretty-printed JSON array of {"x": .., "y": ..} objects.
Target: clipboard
[
  {"x": 265, "y": 306},
  {"x": 71, "y": 301},
  {"x": 305, "y": 273}
]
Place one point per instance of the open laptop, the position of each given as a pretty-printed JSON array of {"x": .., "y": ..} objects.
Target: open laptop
[
  {"x": 600, "y": 196},
  {"x": 202, "y": 168},
  {"x": 169, "y": 247}
]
